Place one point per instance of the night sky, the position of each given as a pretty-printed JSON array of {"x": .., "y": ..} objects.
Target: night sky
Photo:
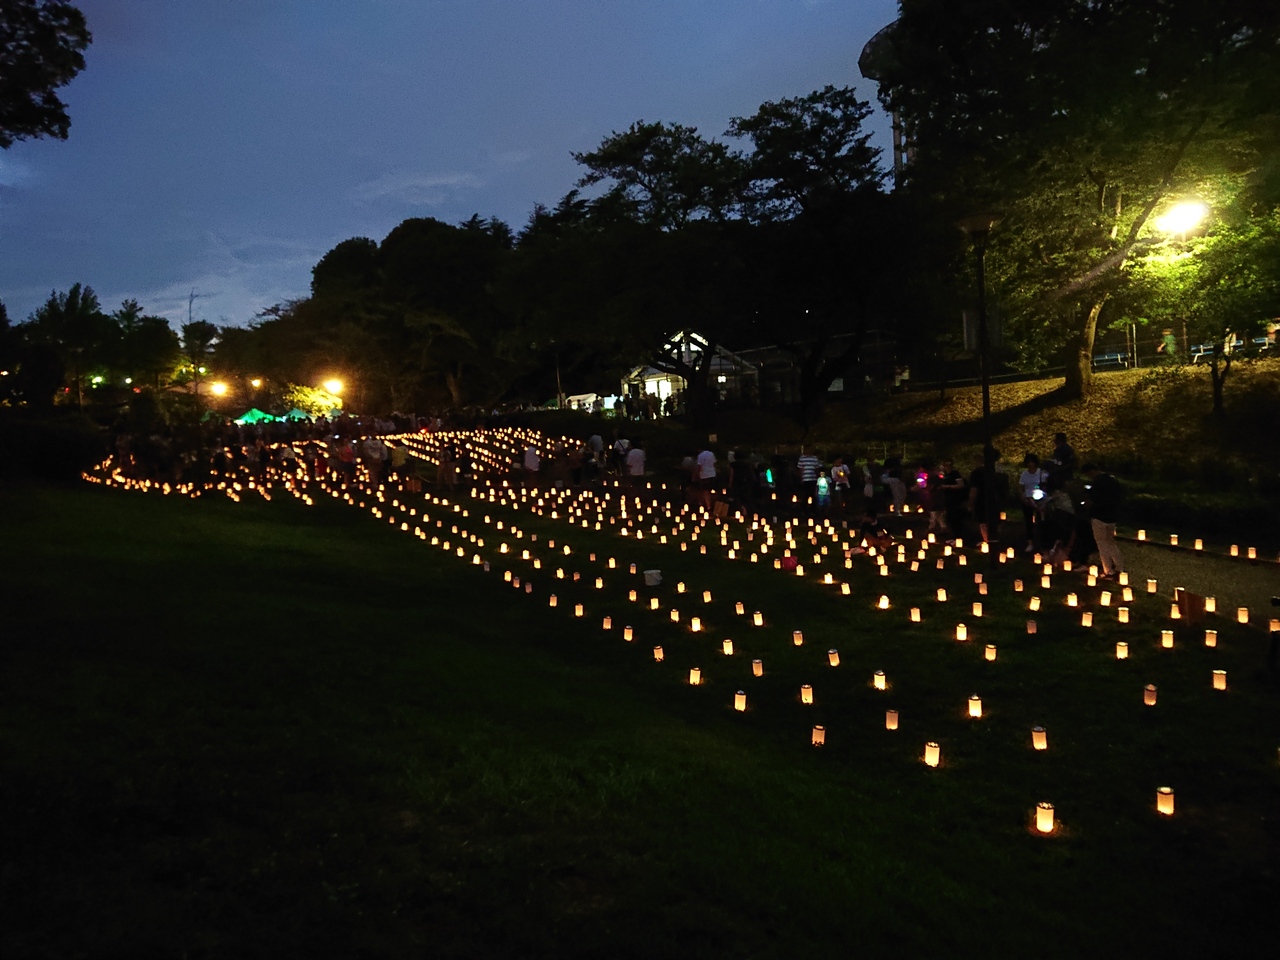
[{"x": 225, "y": 145}]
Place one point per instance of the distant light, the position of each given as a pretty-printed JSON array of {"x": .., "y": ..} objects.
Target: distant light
[
  {"x": 218, "y": 388},
  {"x": 128, "y": 379},
  {"x": 96, "y": 381},
  {"x": 1182, "y": 218},
  {"x": 204, "y": 369},
  {"x": 256, "y": 382},
  {"x": 333, "y": 386}
]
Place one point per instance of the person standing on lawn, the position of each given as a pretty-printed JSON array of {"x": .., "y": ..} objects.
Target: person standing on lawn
[
  {"x": 953, "y": 491},
  {"x": 1105, "y": 494},
  {"x": 808, "y": 466}
]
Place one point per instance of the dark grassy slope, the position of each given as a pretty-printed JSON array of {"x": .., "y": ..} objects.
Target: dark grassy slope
[{"x": 260, "y": 730}]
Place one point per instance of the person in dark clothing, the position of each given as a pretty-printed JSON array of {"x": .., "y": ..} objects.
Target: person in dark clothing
[
  {"x": 1062, "y": 465},
  {"x": 1105, "y": 494},
  {"x": 987, "y": 526},
  {"x": 953, "y": 491}
]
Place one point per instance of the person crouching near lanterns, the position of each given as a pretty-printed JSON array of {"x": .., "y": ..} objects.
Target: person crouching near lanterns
[
  {"x": 872, "y": 531},
  {"x": 1058, "y": 519},
  {"x": 1104, "y": 496}
]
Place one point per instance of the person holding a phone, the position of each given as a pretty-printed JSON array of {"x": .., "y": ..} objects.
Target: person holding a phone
[{"x": 1032, "y": 481}]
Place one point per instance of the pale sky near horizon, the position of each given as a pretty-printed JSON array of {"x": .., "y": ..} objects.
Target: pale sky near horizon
[{"x": 225, "y": 145}]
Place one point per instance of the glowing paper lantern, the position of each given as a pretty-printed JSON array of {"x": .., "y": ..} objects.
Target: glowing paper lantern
[
  {"x": 833, "y": 657},
  {"x": 1242, "y": 615},
  {"x": 726, "y": 646},
  {"x": 977, "y": 608},
  {"x": 607, "y": 623},
  {"x": 1031, "y": 627},
  {"x": 883, "y": 604},
  {"x": 878, "y": 680},
  {"x": 1122, "y": 614},
  {"x": 627, "y": 634},
  {"x": 1164, "y": 801},
  {"x": 891, "y": 719},
  {"x": 819, "y": 736},
  {"x": 797, "y": 637},
  {"x": 1044, "y": 817},
  {"x": 740, "y": 701},
  {"x": 738, "y": 608},
  {"x": 577, "y": 610},
  {"x": 654, "y": 603},
  {"x": 962, "y": 632},
  {"x": 706, "y": 596},
  {"x": 989, "y": 652},
  {"x": 657, "y": 654},
  {"x": 1210, "y": 604},
  {"x": 942, "y": 595},
  {"x": 1017, "y": 586},
  {"x": 1175, "y": 612},
  {"x": 757, "y": 668},
  {"x": 1033, "y": 604},
  {"x": 758, "y": 618},
  {"x": 1219, "y": 679},
  {"x": 695, "y": 624},
  {"x": 1039, "y": 739},
  {"x": 915, "y": 614},
  {"x": 806, "y": 693},
  {"x": 1046, "y": 583},
  {"x": 552, "y": 601},
  {"x": 1151, "y": 586},
  {"x": 695, "y": 676},
  {"x": 1072, "y": 600},
  {"x": 1149, "y": 695},
  {"x": 975, "y": 706},
  {"x": 1105, "y": 598},
  {"x": 1086, "y": 618},
  {"x": 1166, "y": 639},
  {"x": 1211, "y": 638},
  {"x": 932, "y": 754},
  {"x": 1122, "y": 650}
]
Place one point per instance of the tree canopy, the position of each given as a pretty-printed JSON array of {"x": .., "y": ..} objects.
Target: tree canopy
[{"x": 42, "y": 44}]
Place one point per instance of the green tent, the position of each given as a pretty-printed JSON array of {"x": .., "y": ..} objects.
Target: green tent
[
  {"x": 254, "y": 415},
  {"x": 296, "y": 414}
]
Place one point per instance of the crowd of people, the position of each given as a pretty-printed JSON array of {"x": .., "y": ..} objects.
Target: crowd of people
[{"x": 1068, "y": 511}]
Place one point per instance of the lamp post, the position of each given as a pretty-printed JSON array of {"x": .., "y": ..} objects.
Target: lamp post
[{"x": 978, "y": 229}]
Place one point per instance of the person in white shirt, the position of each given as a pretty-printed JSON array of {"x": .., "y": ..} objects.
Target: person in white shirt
[
  {"x": 635, "y": 460},
  {"x": 706, "y": 468},
  {"x": 1032, "y": 480},
  {"x": 532, "y": 462}
]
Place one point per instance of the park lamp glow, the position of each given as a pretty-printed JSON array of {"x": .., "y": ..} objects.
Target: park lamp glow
[
  {"x": 334, "y": 386},
  {"x": 1182, "y": 218},
  {"x": 219, "y": 388},
  {"x": 256, "y": 382}
]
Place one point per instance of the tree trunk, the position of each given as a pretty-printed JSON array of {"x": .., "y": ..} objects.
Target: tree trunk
[
  {"x": 1218, "y": 377},
  {"x": 1080, "y": 360}
]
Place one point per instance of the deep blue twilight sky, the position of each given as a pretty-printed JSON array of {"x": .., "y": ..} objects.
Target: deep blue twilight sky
[{"x": 225, "y": 145}]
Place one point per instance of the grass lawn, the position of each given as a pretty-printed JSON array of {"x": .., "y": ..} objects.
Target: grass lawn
[{"x": 271, "y": 730}]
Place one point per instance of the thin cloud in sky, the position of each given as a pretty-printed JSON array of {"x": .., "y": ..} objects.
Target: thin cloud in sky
[{"x": 416, "y": 189}]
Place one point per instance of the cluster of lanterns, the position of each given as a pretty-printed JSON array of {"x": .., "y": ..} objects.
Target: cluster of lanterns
[{"x": 646, "y": 515}]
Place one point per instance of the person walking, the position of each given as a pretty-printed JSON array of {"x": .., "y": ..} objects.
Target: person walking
[{"x": 1104, "y": 496}]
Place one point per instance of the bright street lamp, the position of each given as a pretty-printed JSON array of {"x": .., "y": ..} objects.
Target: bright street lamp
[
  {"x": 219, "y": 388},
  {"x": 1182, "y": 218},
  {"x": 333, "y": 386},
  {"x": 256, "y": 382}
]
